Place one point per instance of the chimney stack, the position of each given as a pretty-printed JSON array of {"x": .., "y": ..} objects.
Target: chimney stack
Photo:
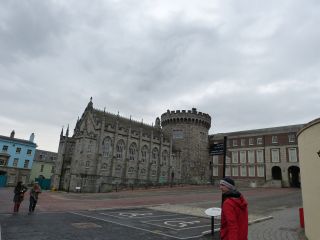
[
  {"x": 12, "y": 134},
  {"x": 31, "y": 139}
]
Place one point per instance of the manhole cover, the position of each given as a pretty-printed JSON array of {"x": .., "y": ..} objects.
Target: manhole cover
[{"x": 85, "y": 225}]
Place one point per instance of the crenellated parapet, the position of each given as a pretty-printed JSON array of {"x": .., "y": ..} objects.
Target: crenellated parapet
[{"x": 186, "y": 117}]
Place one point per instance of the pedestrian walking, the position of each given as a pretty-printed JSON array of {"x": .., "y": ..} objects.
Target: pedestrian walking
[
  {"x": 34, "y": 194},
  {"x": 234, "y": 215},
  {"x": 19, "y": 191}
]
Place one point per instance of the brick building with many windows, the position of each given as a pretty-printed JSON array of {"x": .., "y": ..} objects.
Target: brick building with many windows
[{"x": 260, "y": 157}]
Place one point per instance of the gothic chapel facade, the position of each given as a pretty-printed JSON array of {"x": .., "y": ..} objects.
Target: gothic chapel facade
[{"x": 107, "y": 150}]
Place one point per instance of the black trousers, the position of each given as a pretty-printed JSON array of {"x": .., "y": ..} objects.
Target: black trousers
[{"x": 32, "y": 205}]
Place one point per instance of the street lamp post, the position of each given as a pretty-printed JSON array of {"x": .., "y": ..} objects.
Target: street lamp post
[{"x": 224, "y": 156}]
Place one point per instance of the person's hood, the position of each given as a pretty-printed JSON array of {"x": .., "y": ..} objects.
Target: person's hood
[
  {"x": 236, "y": 198},
  {"x": 240, "y": 202},
  {"x": 232, "y": 193}
]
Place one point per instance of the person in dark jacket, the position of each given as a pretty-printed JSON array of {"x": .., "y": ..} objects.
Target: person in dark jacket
[
  {"x": 234, "y": 214},
  {"x": 34, "y": 193},
  {"x": 19, "y": 191}
]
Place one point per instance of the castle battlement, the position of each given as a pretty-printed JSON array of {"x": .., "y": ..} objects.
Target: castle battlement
[
  {"x": 186, "y": 116},
  {"x": 193, "y": 111}
]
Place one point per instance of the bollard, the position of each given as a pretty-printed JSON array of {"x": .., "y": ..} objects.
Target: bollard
[{"x": 301, "y": 217}]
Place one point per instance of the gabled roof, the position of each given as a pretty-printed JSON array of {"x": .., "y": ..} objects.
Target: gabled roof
[
  {"x": 122, "y": 121},
  {"x": 112, "y": 119}
]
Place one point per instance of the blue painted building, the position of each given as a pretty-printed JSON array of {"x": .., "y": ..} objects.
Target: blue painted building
[{"x": 16, "y": 159}]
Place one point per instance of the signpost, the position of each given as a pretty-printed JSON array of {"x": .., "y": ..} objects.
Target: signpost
[
  {"x": 217, "y": 149},
  {"x": 220, "y": 149},
  {"x": 213, "y": 212}
]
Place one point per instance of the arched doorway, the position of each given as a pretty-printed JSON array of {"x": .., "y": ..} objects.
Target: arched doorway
[
  {"x": 294, "y": 176},
  {"x": 276, "y": 173}
]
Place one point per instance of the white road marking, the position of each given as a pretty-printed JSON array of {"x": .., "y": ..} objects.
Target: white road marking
[
  {"x": 132, "y": 214},
  {"x": 138, "y": 228},
  {"x": 180, "y": 224},
  {"x": 142, "y": 216},
  {"x": 161, "y": 223}
]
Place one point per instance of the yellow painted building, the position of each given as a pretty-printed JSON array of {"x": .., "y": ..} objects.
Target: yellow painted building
[
  {"x": 309, "y": 155},
  {"x": 43, "y": 165}
]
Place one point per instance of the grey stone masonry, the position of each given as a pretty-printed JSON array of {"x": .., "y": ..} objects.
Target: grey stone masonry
[
  {"x": 107, "y": 151},
  {"x": 189, "y": 133}
]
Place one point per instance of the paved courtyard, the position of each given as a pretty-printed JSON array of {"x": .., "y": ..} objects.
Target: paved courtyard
[
  {"x": 170, "y": 213},
  {"x": 120, "y": 224}
]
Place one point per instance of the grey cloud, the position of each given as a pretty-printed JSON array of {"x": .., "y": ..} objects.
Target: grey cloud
[
  {"x": 29, "y": 29},
  {"x": 247, "y": 66}
]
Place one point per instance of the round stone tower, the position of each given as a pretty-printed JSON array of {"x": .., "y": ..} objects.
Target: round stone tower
[{"x": 188, "y": 130}]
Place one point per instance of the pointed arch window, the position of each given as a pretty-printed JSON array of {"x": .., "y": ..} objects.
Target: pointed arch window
[
  {"x": 133, "y": 152},
  {"x": 120, "y": 149},
  {"x": 155, "y": 156},
  {"x": 164, "y": 157},
  {"x": 89, "y": 147},
  {"x": 107, "y": 147},
  {"x": 144, "y": 154}
]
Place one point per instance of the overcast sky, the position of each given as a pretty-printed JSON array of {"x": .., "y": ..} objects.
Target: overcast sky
[{"x": 249, "y": 64}]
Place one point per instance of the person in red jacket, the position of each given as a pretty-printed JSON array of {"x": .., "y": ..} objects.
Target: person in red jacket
[{"x": 234, "y": 214}]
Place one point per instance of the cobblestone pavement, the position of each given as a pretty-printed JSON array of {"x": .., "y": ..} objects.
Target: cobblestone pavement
[{"x": 284, "y": 225}]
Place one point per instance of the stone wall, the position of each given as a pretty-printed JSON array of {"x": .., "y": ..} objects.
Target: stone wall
[{"x": 189, "y": 133}]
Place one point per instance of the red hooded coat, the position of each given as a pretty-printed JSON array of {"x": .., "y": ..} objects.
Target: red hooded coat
[{"x": 234, "y": 219}]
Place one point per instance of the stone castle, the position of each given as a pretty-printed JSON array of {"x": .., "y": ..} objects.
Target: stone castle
[{"x": 108, "y": 150}]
